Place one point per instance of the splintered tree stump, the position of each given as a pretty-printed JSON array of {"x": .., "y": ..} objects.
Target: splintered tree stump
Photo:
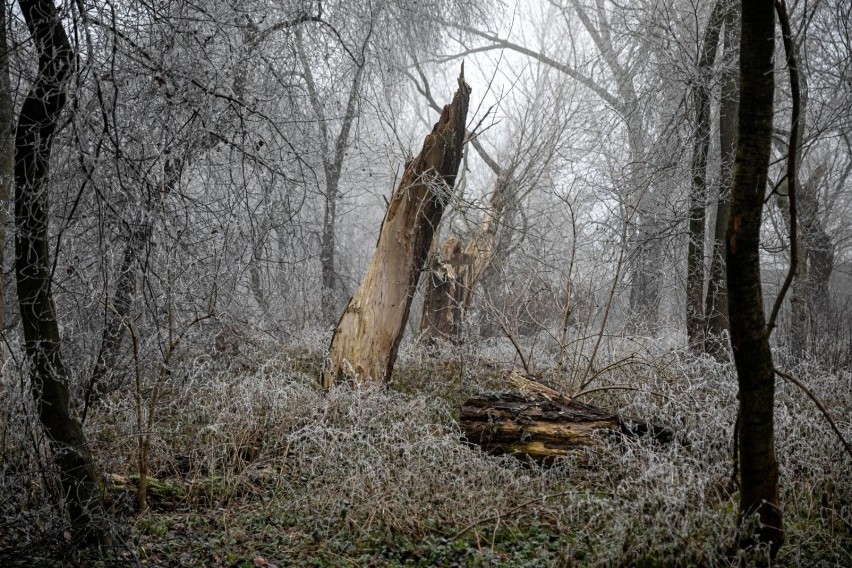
[
  {"x": 364, "y": 345},
  {"x": 541, "y": 424}
]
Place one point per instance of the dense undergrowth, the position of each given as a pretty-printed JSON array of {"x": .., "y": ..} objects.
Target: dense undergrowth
[{"x": 255, "y": 465}]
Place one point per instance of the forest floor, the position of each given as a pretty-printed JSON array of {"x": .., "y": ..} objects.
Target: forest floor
[{"x": 253, "y": 465}]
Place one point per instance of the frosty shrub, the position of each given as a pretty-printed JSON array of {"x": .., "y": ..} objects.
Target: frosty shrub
[{"x": 368, "y": 475}]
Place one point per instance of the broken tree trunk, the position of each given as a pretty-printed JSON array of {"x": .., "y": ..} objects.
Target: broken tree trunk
[
  {"x": 444, "y": 295},
  {"x": 539, "y": 423},
  {"x": 367, "y": 337},
  {"x": 453, "y": 276}
]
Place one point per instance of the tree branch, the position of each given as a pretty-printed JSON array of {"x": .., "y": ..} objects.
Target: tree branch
[
  {"x": 500, "y": 43},
  {"x": 822, "y": 408},
  {"x": 792, "y": 151}
]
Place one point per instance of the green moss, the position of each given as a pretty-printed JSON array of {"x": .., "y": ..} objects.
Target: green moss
[
  {"x": 153, "y": 526},
  {"x": 161, "y": 489}
]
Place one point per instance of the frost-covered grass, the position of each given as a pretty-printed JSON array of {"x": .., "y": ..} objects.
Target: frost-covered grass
[{"x": 269, "y": 467}]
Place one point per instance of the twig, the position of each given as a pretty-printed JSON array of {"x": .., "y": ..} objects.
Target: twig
[
  {"x": 143, "y": 434},
  {"x": 611, "y": 367},
  {"x": 517, "y": 347},
  {"x": 569, "y": 295},
  {"x": 618, "y": 387},
  {"x": 822, "y": 408},
  {"x": 736, "y": 453},
  {"x": 619, "y": 265}
]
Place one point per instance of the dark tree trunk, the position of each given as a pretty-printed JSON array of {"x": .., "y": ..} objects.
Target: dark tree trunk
[
  {"x": 366, "y": 340},
  {"x": 646, "y": 277},
  {"x": 7, "y": 160},
  {"x": 716, "y": 304},
  {"x": 807, "y": 208},
  {"x": 327, "y": 247},
  {"x": 701, "y": 91},
  {"x": 33, "y": 141},
  {"x": 800, "y": 293},
  {"x": 749, "y": 333}
]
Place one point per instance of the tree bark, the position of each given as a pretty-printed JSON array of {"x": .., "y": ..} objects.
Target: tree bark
[
  {"x": 716, "y": 303},
  {"x": 33, "y": 142},
  {"x": 443, "y": 298},
  {"x": 701, "y": 91},
  {"x": 327, "y": 250},
  {"x": 749, "y": 333},
  {"x": 367, "y": 337},
  {"x": 800, "y": 293},
  {"x": 797, "y": 274}
]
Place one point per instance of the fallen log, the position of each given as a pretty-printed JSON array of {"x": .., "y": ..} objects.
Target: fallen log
[{"x": 539, "y": 423}]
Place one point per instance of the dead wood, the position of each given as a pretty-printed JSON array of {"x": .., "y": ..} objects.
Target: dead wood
[
  {"x": 539, "y": 423},
  {"x": 366, "y": 340}
]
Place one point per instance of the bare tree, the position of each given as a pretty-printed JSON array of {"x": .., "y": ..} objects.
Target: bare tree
[
  {"x": 617, "y": 73},
  {"x": 538, "y": 132},
  {"x": 698, "y": 196},
  {"x": 457, "y": 269},
  {"x": 36, "y": 129},
  {"x": 333, "y": 148},
  {"x": 749, "y": 331},
  {"x": 816, "y": 156},
  {"x": 716, "y": 303}
]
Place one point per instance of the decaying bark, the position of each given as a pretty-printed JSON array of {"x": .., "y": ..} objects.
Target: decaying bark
[
  {"x": 541, "y": 424},
  {"x": 444, "y": 295},
  {"x": 456, "y": 271},
  {"x": 367, "y": 337}
]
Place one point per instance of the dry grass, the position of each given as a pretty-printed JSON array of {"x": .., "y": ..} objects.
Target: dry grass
[{"x": 256, "y": 461}]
